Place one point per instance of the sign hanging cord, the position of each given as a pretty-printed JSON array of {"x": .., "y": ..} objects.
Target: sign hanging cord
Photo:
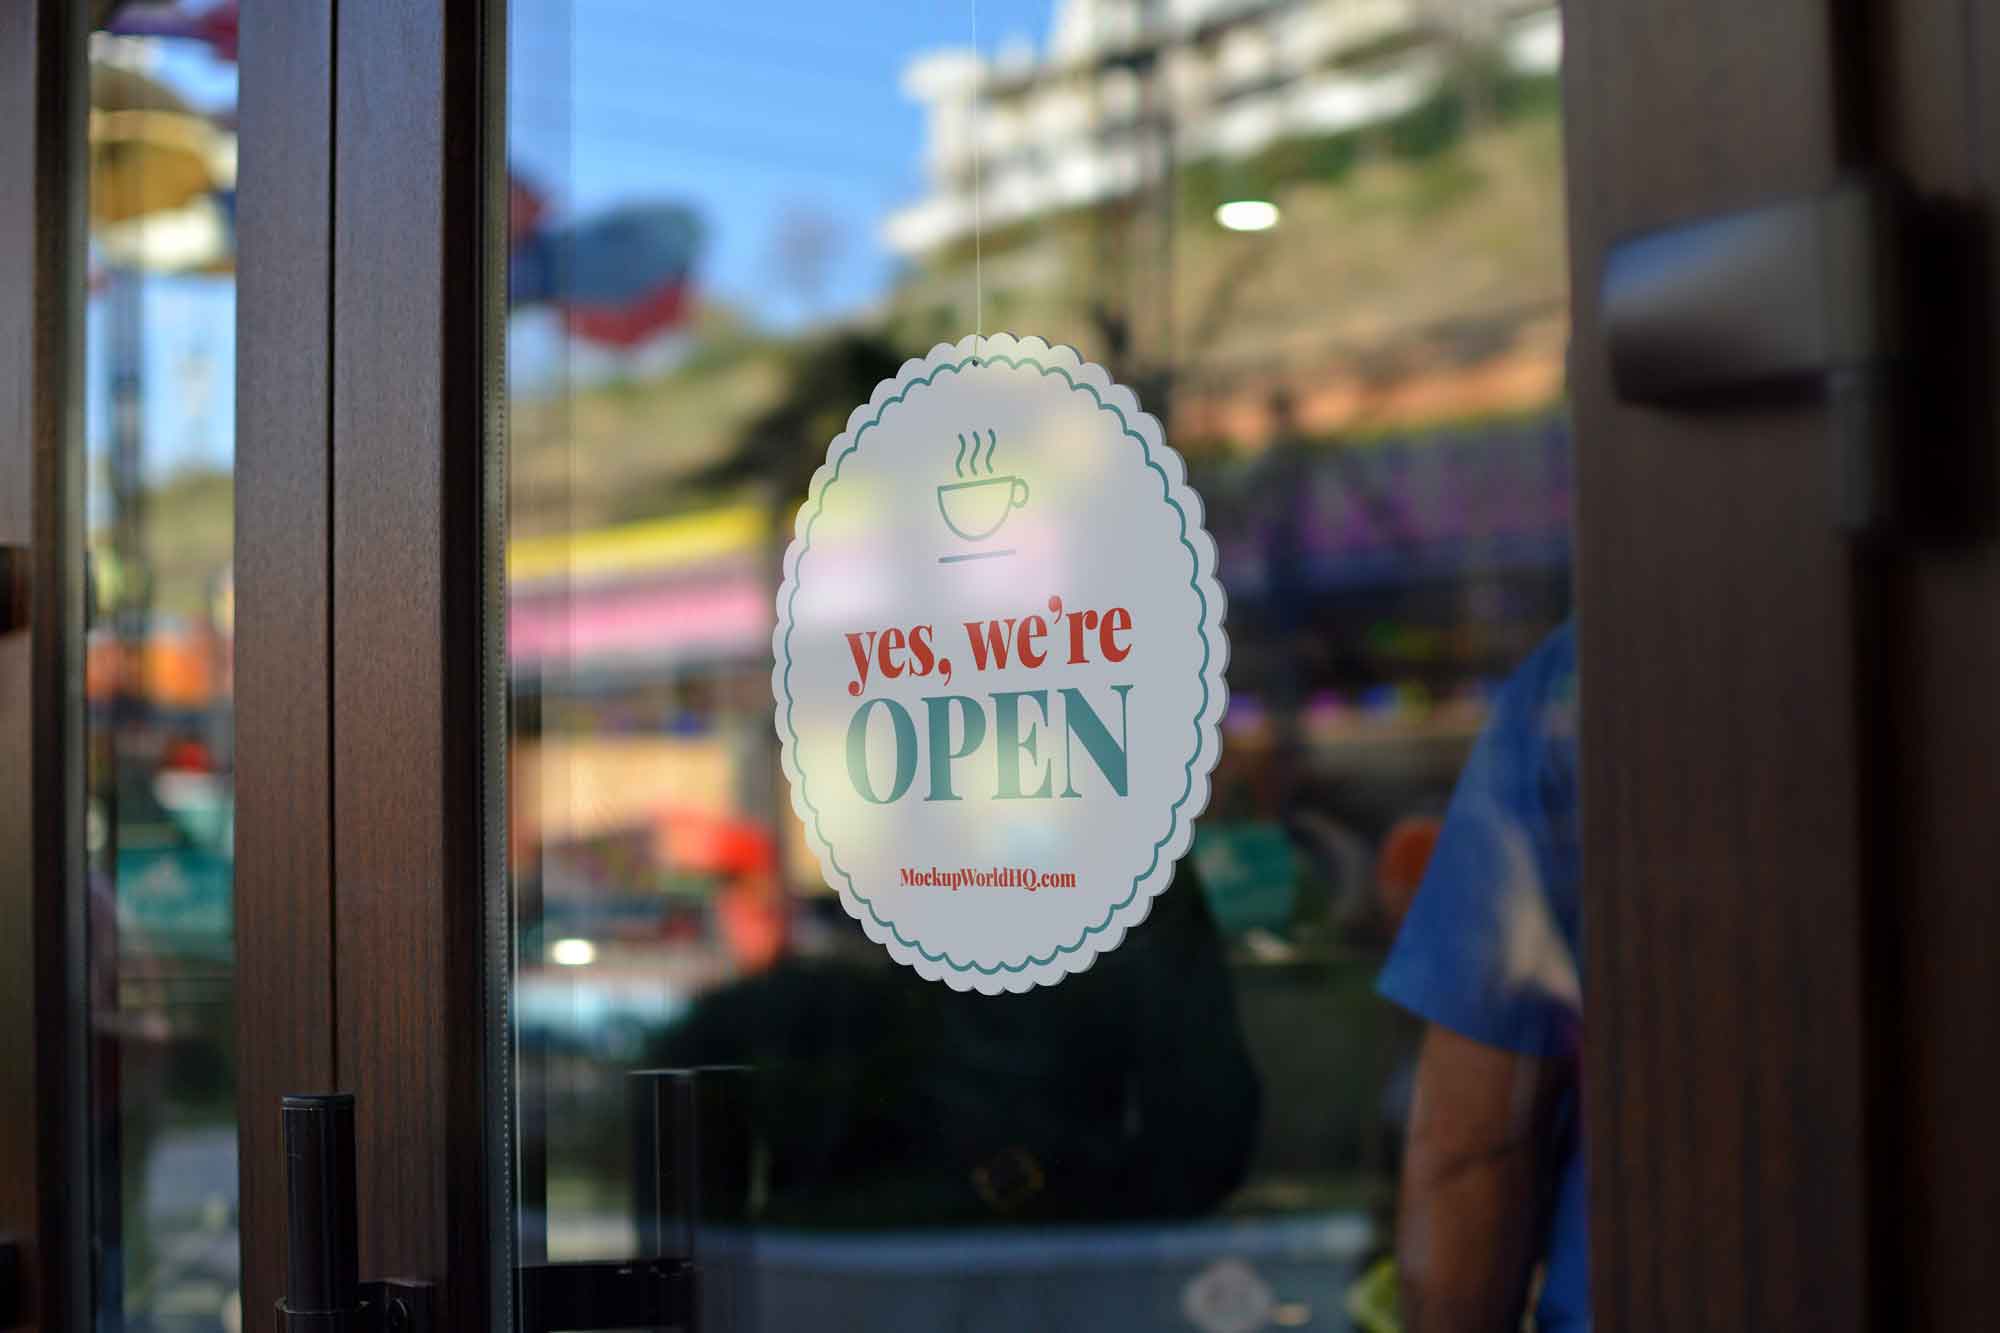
[{"x": 978, "y": 220}]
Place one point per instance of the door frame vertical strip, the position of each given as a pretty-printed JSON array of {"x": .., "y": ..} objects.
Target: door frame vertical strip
[
  {"x": 287, "y": 1036},
  {"x": 1725, "y": 838},
  {"x": 44, "y": 1087},
  {"x": 415, "y": 763}
]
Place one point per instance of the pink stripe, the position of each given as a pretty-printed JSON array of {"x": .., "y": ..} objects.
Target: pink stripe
[{"x": 733, "y": 618}]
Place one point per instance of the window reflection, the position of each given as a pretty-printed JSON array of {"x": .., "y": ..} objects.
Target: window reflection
[
  {"x": 1324, "y": 243},
  {"x": 160, "y": 359}
]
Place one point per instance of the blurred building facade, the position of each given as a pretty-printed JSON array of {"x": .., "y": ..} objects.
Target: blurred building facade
[{"x": 1026, "y": 133}]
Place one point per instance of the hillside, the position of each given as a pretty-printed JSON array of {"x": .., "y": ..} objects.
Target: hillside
[{"x": 1403, "y": 287}]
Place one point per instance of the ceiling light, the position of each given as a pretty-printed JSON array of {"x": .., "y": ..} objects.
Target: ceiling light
[
  {"x": 1248, "y": 215},
  {"x": 573, "y": 953}
]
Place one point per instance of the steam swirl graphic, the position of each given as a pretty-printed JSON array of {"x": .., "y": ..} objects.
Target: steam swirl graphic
[{"x": 958, "y": 465}]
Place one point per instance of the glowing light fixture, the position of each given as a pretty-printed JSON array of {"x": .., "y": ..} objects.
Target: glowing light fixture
[
  {"x": 573, "y": 953},
  {"x": 1248, "y": 215}
]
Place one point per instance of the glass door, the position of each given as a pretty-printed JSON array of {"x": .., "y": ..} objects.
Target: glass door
[
  {"x": 1323, "y": 244},
  {"x": 1322, "y": 251},
  {"x": 159, "y": 468}
]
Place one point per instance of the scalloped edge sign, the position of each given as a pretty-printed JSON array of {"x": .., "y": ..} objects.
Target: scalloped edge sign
[{"x": 999, "y": 661}]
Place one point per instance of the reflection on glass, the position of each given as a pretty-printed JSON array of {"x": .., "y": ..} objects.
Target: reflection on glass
[
  {"x": 160, "y": 329},
  {"x": 1324, "y": 242}
]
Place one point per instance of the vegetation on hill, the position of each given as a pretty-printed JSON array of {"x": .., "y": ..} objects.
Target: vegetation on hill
[{"x": 1411, "y": 256}]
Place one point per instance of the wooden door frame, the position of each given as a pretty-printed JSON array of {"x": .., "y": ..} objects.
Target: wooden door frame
[
  {"x": 1935, "y": 926},
  {"x": 287, "y": 1028},
  {"x": 1725, "y": 632},
  {"x": 44, "y": 1107},
  {"x": 418, "y": 698},
  {"x": 373, "y": 940}
]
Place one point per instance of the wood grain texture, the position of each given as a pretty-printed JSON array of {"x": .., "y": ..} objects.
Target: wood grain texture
[
  {"x": 284, "y": 760},
  {"x": 1717, "y": 617},
  {"x": 1940, "y": 108},
  {"x": 410, "y": 658},
  {"x": 44, "y": 1102}
]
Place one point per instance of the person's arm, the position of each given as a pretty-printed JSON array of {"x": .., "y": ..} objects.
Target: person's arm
[{"x": 1474, "y": 1184}]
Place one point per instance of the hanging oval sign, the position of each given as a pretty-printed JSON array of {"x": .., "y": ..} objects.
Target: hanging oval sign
[{"x": 999, "y": 663}]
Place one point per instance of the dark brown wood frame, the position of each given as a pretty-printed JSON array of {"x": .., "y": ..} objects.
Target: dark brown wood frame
[
  {"x": 371, "y": 926},
  {"x": 1934, "y": 931},
  {"x": 44, "y": 1110},
  {"x": 1789, "y": 746},
  {"x": 287, "y": 1017},
  {"x": 368, "y": 490},
  {"x": 1718, "y": 615}
]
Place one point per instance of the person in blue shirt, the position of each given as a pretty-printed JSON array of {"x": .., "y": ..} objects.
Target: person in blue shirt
[{"x": 1493, "y": 1176}]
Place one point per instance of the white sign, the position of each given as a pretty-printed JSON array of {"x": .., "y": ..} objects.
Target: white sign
[{"x": 999, "y": 663}]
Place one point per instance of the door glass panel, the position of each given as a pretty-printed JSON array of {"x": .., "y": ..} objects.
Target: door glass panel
[
  {"x": 1323, "y": 242},
  {"x": 160, "y": 446}
]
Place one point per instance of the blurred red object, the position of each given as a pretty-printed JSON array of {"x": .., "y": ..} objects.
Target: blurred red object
[
  {"x": 713, "y": 845},
  {"x": 218, "y": 25},
  {"x": 525, "y": 207},
  {"x": 1400, "y": 865},
  {"x": 629, "y": 325},
  {"x": 755, "y": 921},
  {"x": 751, "y": 910},
  {"x": 187, "y": 755}
]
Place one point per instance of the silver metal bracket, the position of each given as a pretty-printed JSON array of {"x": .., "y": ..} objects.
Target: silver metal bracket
[{"x": 1807, "y": 296}]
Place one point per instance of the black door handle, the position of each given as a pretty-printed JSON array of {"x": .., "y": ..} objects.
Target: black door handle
[
  {"x": 691, "y": 1198},
  {"x": 691, "y": 1188}
]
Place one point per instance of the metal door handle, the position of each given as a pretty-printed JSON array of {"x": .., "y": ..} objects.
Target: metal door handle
[
  {"x": 691, "y": 1187},
  {"x": 1808, "y": 294},
  {"x": 691, "y": 1197}
]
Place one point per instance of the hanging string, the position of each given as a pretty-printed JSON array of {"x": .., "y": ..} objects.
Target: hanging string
[{"x": 978, "y": 219}]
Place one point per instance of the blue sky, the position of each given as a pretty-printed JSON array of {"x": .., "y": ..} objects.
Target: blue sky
[
  {"x": 757, "y": 115},
  {"x": 187, "y": 357},
  {"x": 753, "y": 113}
]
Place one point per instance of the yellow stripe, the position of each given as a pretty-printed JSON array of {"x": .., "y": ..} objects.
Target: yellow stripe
[{"x": 656, "y": 544}]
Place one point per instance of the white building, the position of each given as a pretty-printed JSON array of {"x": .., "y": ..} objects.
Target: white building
[{"x": 1085, "y": 121}]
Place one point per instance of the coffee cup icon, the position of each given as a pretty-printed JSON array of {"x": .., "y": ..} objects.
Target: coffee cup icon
[{"x": 975, "y": 510}]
